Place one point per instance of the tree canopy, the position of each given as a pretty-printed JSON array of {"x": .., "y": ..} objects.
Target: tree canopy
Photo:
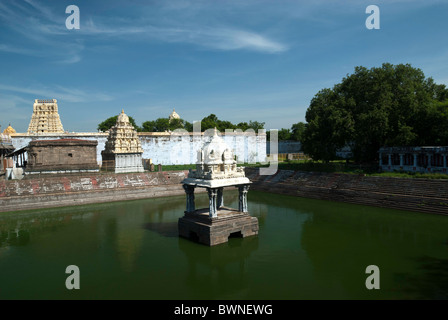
[
  {"x": 164, "y": 124},
  {"x": 212, "y": 121},
  {"x": 110, "y": 122},
  {"x": 295, "y": 133},
  {"x": 391, "y": 105}
]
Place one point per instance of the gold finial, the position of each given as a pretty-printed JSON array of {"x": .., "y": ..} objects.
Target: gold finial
[{"x": 122, "y": 110}]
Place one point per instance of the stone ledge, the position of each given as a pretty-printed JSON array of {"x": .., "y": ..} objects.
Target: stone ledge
[{"x": 217, "y": 230}]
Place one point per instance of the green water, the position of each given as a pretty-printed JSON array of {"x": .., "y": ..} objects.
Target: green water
[{"x": 306, "y": 249}]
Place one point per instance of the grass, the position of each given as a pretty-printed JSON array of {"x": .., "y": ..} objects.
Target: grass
[
  {"x": 177, "y": 167},
  {"x": 411, "y": 175}
]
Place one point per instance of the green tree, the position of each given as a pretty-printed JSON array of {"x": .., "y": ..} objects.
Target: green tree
[
  {"x": 385, "y": 106},
  {"x": 110, "y": 122},
  {"x": 328, "y": 126},
  {"x": 297, "y": 130},
  {"x": 164, "y": 124},
  {"x": 159, "y": 125},
  {"x": 284, "y": 134},
  {"x": 256, "y": 125},
  {"x": 209, "y": 122}
]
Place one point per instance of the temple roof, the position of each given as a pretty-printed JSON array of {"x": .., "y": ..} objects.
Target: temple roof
[
  {"x": 123, "y": 137},
  {"x": 9, "y": 130},
  {"x": 216, "y": 166},
  {"x": 214, "y": 149},
  {"x": 123, "y": 117},
  {"x": 174, "y": 115}
]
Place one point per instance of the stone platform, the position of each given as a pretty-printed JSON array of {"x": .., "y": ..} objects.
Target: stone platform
[{"x": 199, "y": 226}]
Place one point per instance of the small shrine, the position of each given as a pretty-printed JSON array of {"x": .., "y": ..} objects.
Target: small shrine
[
  {"x": 216, "y": 169},
  {"x": 9, "y": 130},
  {"x": 123, "y": 150},
  {"x": 173, "y": 115}
]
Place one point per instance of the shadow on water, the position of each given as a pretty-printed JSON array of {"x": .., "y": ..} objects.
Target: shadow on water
[
  {"x": 165, "y": 229},
  {"x": 432, "y": 284}
]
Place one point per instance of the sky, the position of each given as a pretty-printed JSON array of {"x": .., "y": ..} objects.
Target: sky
[{"x": 259, "y": 60}]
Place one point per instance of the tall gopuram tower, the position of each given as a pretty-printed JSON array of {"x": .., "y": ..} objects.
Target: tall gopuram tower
[
  {"x": 123, "y": 150},
  {"x": 45, "y": 118},
  {"x": 216, "y": 169}
]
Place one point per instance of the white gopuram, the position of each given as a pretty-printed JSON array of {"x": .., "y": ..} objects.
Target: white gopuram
[{"x": 123, "y": 150}]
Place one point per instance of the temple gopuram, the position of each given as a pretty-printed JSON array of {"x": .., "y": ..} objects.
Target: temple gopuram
[
  {"x": 123, "y": 150},
  {"x": 45, "y": 118}
]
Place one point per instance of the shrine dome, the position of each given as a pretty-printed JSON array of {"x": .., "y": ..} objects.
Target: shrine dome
[
  {"x": 9, "y": 130},
  {"x": 174, "y": 115},
  {"x": 216, "y": 151},
  {"x": 122, "y": 117}
]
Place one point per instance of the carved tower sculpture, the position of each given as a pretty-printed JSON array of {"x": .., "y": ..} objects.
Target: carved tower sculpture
[
  {"x": 45, "y": 118},
  {"x": 123, "y": 150}
]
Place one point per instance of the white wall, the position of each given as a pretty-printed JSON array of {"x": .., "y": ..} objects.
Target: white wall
[{"x": 165, "y": 148}]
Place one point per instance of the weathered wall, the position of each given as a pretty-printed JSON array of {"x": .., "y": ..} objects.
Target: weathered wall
[
  {"x": 166, "y": 148},
  {"x": 422, "y": 195},
  {"x": 287, "y": 146},
  {"x": 90, "y": 188}
]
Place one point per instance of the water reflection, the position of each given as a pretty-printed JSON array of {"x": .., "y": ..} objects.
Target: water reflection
[
  {"x": 129, "y": 238},
  {"x": 220, "y": 270},
  {"x": 305, "y": 249},
  {"x": 432, "y": 284},
  {"x": 14, "y": 238},
  {"x": 165, "y": 229},
  {"x": 17, "y": 229}
]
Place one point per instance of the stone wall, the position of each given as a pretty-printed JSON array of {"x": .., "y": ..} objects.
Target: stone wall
[
  {"x": 57, "y": 191},
  {"x": 422, "y": 195},
  {"x": 166, "y": 148},
  {"x": 61, "y": 155},
  {"x": 286, "y": 146}
]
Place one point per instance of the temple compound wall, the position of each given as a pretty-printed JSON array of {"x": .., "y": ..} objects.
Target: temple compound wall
[{"x": 166, "y": 148}]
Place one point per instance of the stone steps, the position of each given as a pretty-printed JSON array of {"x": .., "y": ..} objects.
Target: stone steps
[{"x": 422, "y": 195}]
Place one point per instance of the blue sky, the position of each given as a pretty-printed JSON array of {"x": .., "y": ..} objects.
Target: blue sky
[{"x": 242, "y": 60}]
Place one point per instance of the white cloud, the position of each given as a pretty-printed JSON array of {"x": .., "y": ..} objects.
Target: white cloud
[
  {"x": 221, "y": 38},
  {"x": 43, "y": 30},
  {"x": 42, "y": 26},
  {"x": 59, "y": 92}
]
